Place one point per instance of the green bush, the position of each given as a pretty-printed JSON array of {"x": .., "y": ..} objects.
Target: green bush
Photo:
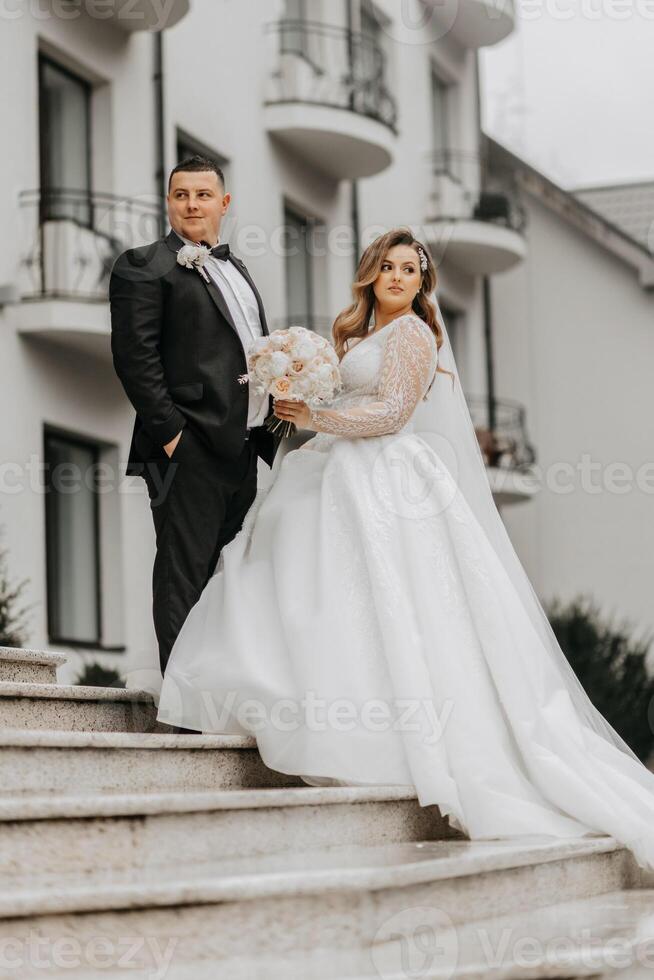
[
  {"x": 95, "y": 675},
  {"x": 611, "y": 666},
  {"x": 13, "y": 627}
]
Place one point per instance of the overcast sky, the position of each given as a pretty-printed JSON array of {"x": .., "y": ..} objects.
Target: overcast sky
[{"x": 575, "y": 97}]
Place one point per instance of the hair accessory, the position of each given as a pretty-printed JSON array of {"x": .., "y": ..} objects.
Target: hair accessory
[{"x": 423, "y": 258}]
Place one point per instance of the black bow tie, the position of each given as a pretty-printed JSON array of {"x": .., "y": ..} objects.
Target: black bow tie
[{"x": 218, "y": 251}]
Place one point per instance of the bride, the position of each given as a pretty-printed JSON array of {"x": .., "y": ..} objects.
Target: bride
[{"x": 371, "y": 622}]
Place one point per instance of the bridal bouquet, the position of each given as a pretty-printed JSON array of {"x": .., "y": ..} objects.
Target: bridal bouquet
[{"x": 295, "y": 364}]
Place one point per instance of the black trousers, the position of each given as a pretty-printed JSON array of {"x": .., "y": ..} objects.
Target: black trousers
[{"x": 198, "y": 503}]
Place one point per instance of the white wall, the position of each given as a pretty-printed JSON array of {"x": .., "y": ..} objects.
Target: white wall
[{"x": 574, "y": 342}]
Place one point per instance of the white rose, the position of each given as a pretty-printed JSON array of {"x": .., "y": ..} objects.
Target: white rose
[{"x": 298, "y": 367}]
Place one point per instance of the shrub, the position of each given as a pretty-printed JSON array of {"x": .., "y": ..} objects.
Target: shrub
[
  {"x": 95, "y": 675},
  {"x": 611, "y": 666},
  {"x": 13, "y": 627}
]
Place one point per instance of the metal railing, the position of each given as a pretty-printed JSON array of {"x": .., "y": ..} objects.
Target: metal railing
[
  {"x": 506, "y": 445},
  {"x": 332, "y": 66},
  {"x": 487, "y": 193},
  {"x": 462, "y": 166},
  {"x": 72, "y": 237}
]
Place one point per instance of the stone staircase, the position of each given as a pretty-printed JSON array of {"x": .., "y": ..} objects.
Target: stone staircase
[{"x": 126, "y": 851}]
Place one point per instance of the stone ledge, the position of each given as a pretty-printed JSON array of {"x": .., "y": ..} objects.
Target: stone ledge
[
  {"x": 21, "y": 655},
  {"x": 31, "y": 806},
  {"x": 342, "y": 870},
  {"x": 72, "y": 692},
  {"x": 51, "y": 738},
  {"x": 54, "y": 760}
]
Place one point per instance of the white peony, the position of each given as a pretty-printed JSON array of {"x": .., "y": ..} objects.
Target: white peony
[
  {"x": 303, "y": 350},
  {"x": 263, "y": 371},
  {"x": 278, "y": 339},
  {"x": 280, "y": 362}
]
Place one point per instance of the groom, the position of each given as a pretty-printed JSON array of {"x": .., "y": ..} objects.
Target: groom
[{"x": 178, "y": 336}]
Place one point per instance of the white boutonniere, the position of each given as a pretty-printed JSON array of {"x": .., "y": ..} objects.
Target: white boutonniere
[{"x": 194, "y": 257}]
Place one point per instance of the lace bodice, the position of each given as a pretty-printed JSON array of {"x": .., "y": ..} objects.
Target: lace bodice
[{"x": 384, "y": 377}]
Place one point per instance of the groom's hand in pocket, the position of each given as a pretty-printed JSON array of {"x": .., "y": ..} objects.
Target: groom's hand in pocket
[{"x": 170, "y": 446}]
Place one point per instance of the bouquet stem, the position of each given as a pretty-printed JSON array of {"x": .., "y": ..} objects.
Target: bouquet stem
[{"x": 280, "y": 427}]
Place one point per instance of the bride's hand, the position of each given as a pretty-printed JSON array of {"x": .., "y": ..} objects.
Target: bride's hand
[{"x": 291, "y": 411}]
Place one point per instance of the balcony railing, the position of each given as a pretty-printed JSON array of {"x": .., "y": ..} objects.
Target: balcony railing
[
  {"x": 329, "y": 66},
  {"x": 71, "y": 239},
  {"x": 462, "y": 166},
  {"x": 466, "y": 184},
  {"x": 503, "y": 441}
]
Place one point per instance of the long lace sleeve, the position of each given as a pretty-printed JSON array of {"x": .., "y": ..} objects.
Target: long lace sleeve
[{"x": 408, "y": 366}]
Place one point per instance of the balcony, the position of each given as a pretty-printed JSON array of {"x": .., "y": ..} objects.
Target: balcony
[
  {"x": 69, "y": 243},
  {"x": 474, "y": 23},
  {"x": 144, "y": 15},
  {"x": 327, "y": 98},
  {"x": 476, "y": 219},
  {"x": 509, "y": 456}
]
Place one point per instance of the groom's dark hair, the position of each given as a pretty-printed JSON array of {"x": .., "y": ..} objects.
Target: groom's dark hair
[{"x": 196, "y": 163}]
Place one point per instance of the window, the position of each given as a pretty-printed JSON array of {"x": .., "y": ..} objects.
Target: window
[
  {"x": 295, "y": 37},
  {"x": 370, "y": 62},
  {"x": 453, "y": 322},
  {"x": 370, "y": 25},
  {"x": 370, "y": 68},
  {"x": 72, "y": 540},
  {"x": 299, "y": 269},
  {"x": 64, "y": 144},
  {"x": 187, "y": 146},
  {"x": 440, "y": 122},
  {"x": 295, "y": 10}
]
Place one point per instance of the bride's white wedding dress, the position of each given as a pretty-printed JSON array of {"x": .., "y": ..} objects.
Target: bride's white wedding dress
[{"x": 367, "y": 633}]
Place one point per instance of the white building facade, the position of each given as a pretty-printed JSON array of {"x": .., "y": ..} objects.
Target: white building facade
[
  {"x": 573, "y": 341},
  {"x": 333, "y": 121}
]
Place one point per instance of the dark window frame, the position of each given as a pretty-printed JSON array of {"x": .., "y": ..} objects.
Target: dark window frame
[
  {"x": 45, "y": 204},
  {"x": 193, "y": 146},
  {"x": 54, "y": 635},
  {"x": 308, "y": 223},
  {"x": 453, "y": 319}
]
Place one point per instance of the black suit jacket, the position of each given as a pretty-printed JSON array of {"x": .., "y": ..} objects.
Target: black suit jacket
[{"x": 178, "y": 355}]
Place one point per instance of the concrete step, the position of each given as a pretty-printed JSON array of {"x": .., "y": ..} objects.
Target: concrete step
[
  {"x": 563, "y": 940},
  {"x": 462, "y": 876},
  {"x": 55, "y": 761},
  {"x": 67, "y": 833},
  {"x": 568, "y": 939},
  {"x": 303, "y": 914},
  {"x": 33, "y": 666},
  {"x": 75, "y": 707}
]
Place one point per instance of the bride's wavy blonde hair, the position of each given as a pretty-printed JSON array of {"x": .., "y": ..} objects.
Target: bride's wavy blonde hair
[{"x": 353, "y": 321}]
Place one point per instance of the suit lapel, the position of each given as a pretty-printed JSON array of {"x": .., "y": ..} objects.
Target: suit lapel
[
  {"x": 174, "y": 243},
  {"x": 219, "y": 301},
  {"x": 248, "y": 278},
  {"x": 262, "y": 313}
]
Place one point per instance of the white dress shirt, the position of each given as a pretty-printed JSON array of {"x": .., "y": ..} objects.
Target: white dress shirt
[{"x": 242, "y": 304}]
